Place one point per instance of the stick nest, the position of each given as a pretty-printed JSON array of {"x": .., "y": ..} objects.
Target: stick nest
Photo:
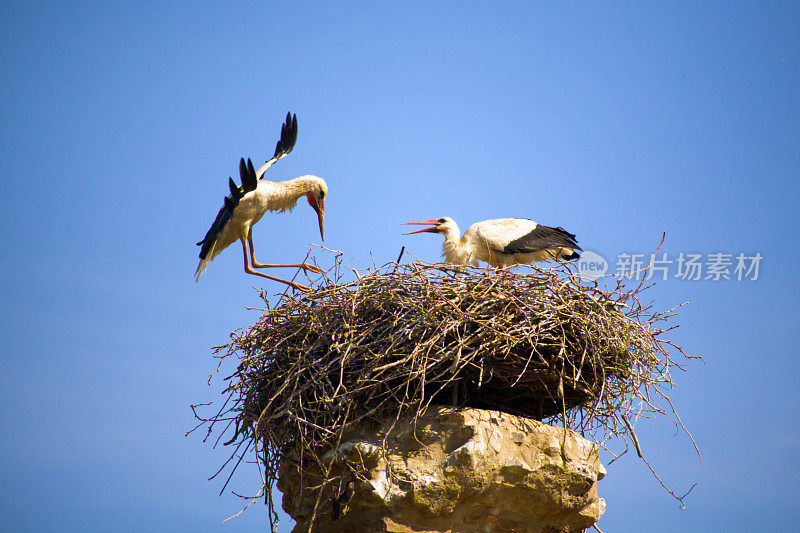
[{"x": 538, "y": 342}]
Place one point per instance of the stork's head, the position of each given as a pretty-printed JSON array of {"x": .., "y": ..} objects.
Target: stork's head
[
  {"x": 315, "y": 195},
  {"x": 444, "y": 225}
]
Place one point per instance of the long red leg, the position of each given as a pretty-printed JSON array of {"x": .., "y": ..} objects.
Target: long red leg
[
  {"x": 256, "y": 264},
  {"x": 249, "y": 270}
]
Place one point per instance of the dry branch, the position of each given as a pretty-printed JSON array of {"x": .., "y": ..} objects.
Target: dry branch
[{"x": 538, "y": 342}]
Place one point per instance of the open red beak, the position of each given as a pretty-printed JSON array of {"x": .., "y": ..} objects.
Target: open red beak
[{"x": 434, "y": 229}]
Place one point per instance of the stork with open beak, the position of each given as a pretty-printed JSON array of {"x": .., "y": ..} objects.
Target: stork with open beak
[
  {"x": 245, "y": 206},
  {"x": 502, "y": 242}
]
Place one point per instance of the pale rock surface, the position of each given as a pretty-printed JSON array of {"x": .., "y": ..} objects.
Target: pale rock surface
[{"x": 461, "y": 470}]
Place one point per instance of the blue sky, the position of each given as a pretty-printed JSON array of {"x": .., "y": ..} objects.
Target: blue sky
[{"x": 121, "y": 123}]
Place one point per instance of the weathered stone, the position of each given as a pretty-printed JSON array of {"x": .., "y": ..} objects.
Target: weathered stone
[{"x": 464, "y": 470}]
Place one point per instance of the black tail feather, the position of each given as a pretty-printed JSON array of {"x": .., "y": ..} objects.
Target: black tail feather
[{"x": 572, "y": 256}]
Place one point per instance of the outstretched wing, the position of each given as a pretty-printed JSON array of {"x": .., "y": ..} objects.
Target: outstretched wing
[
  {"x": 285, "y": 143},
  {"x": 219, "y": 236},
  {"x": 223, "y": 216},
  {"x": 249, "y": 183}
]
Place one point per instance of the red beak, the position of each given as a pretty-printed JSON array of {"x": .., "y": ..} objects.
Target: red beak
[
  {"x": 321, "y": 218},
  {"x": 434, "y": 229},
  {"x": 319, "y": 207}
]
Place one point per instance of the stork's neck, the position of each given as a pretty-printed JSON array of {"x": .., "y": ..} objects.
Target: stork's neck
[
  {"x": 454, "y": 249},
  {"x": 283, "y": 195},
  {"x": 451, "y": 232}
]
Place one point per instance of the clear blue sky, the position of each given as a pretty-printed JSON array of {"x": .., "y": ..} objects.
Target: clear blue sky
[{"x": 121, "y": 123}]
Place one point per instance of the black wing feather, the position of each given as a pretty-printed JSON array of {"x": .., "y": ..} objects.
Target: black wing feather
[
  {"x": 224, "y": 215},
  {"x": 251, "y": 173},
  {"x": 248, "y": 175},
  {"x": 236, "y": 192},
  {"x": 230, "y": 202},
  {"x": 288, "y": 136},
  {"x": 542, "y": 238}
]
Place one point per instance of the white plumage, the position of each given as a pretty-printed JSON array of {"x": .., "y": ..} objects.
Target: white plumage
[
  {"x": 502, "y": 242},
  {"x": 246, "y": 205}
]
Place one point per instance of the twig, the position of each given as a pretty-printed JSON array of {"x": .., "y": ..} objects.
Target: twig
[{"x": 386, "y": 342}]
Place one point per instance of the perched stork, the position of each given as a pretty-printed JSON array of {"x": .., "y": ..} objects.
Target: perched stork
[
  {"x": 247, "y": 204},
  {"x": 502, "y": 242}
]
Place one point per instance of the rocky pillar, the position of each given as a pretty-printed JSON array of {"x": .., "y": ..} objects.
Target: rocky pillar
[{"x": 465, "y": 470}]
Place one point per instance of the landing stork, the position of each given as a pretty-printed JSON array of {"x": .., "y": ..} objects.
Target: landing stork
[
  {"x": 247, "y": 204},
  {"x": 502, "y": 242}
]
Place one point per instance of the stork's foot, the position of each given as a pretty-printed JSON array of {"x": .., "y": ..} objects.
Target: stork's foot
[
  {"x": 313, "y": 268},
  {"x": 304, "y": 266},
  {"x": 298, "y": 286}
]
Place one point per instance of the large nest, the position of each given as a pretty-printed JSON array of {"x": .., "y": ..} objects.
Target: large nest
[{"x": 539, "y": 342}]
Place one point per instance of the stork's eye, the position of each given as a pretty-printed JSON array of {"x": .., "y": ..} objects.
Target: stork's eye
[
  {"x": 441, "y": 221},
  {"x": 321, "y": 195}
]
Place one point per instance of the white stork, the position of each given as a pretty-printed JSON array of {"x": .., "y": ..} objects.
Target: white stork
[
  {"x": 502, "y": 242},
  {"x": 247, "y": 204}
]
